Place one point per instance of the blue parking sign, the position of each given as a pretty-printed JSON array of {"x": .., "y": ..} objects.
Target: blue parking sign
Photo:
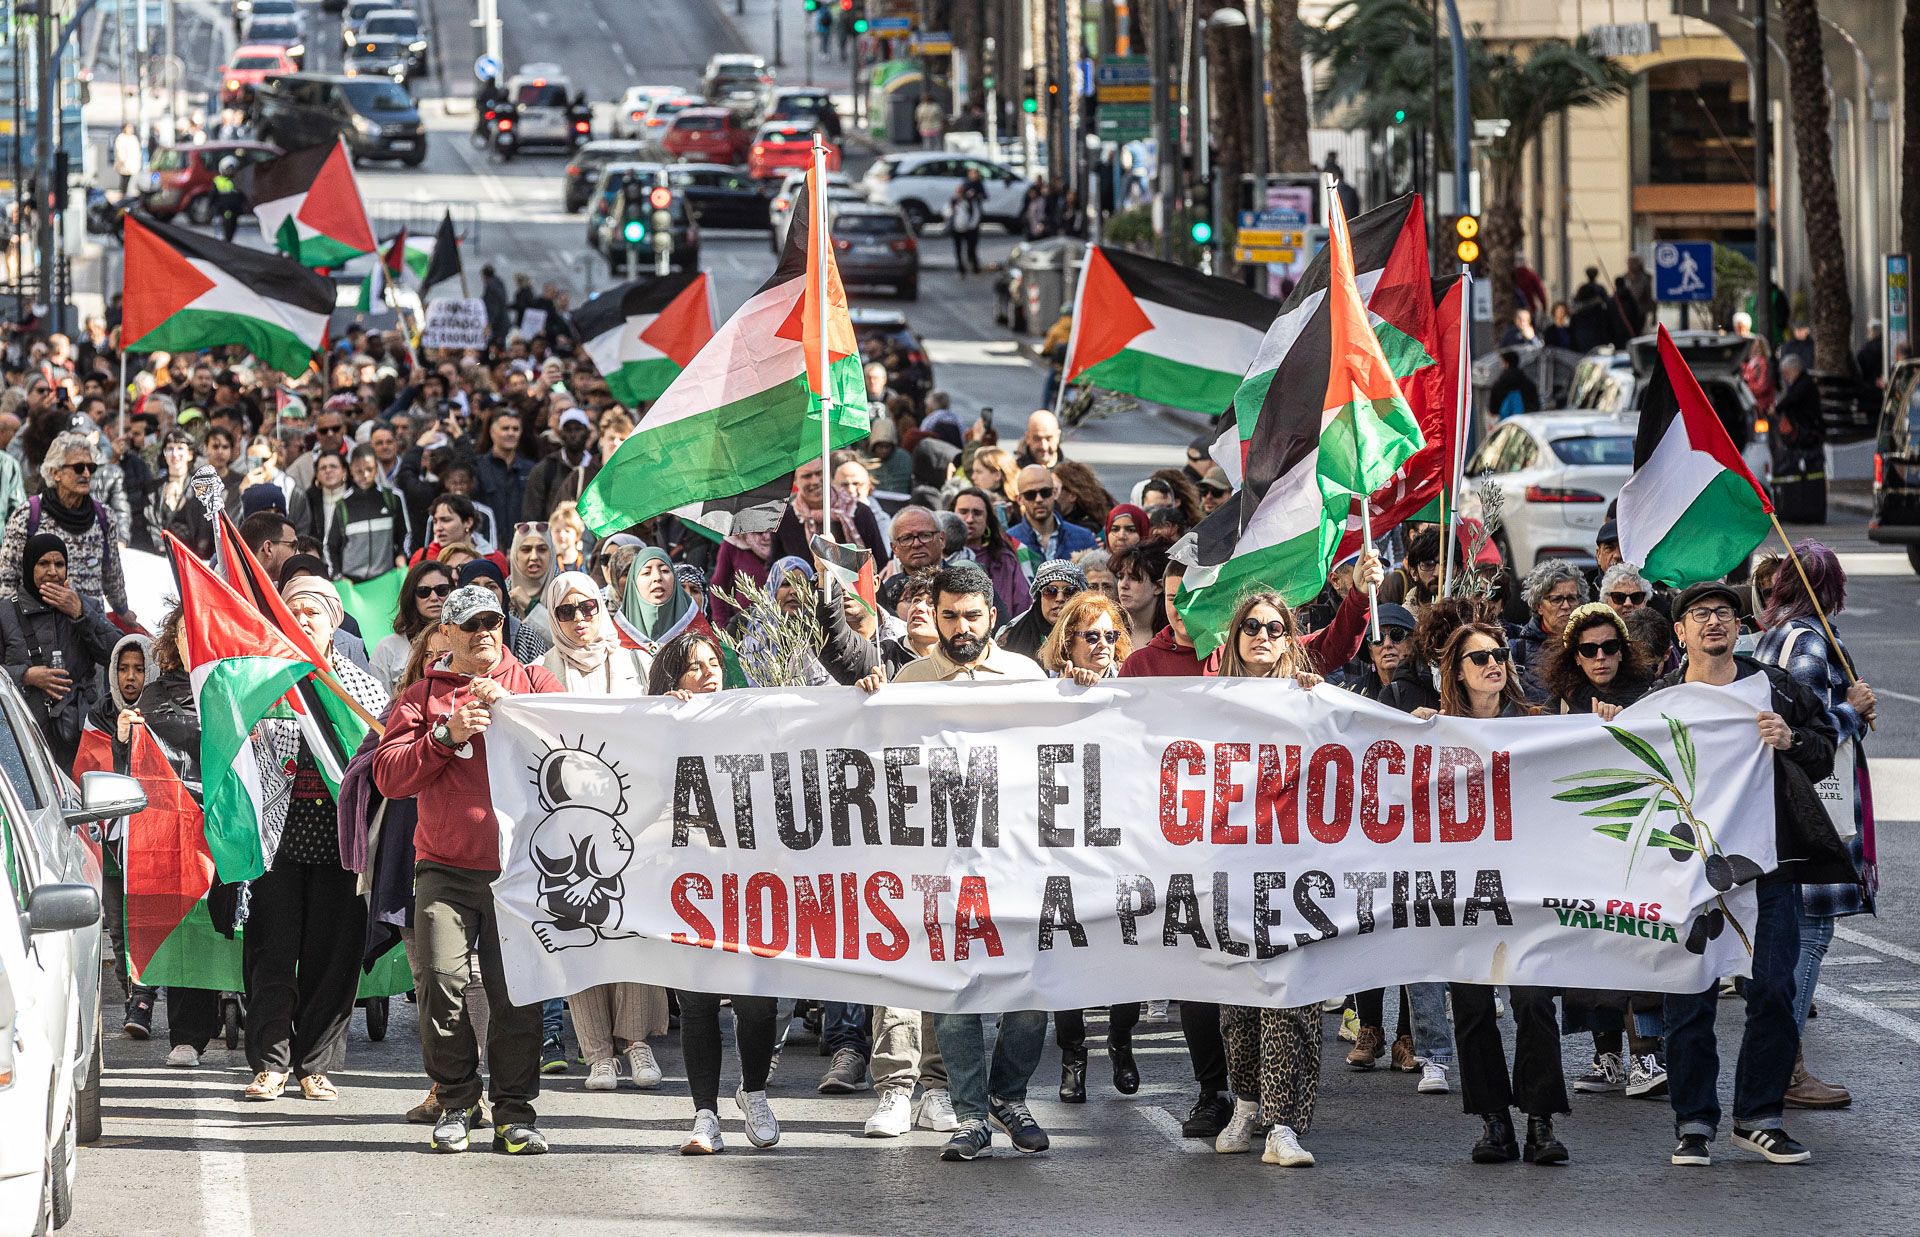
[{"x": 1683, "y": 271}]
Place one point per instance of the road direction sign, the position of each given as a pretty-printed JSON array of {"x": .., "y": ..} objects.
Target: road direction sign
[
  {"x": 1683, "y": 271},
  {"x": 485, "y": 67},
  {"x": 890, "y": 27}
]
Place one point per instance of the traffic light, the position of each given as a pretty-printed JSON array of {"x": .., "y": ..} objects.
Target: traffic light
[
  {"x": 1030, "y": 105},
  {"x": 846, "y": 6},
  {"x": 633, "y": 201},
  {"x": 1466, "y": 245},
  {"x": 810, "y": 5},
  {"x": 633, "y": 231},
  {"x": 1201, "y": 231},
  {"x": 660, "y": 198},
  {"x": 859, "y": 25},
  {"x": 1399, "y": 115}
]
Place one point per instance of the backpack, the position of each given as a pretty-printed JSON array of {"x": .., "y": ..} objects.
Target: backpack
[{"x": 99, "y": 513}]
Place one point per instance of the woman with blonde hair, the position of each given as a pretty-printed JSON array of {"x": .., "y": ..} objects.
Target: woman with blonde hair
[{"x": 568, "y": 532}]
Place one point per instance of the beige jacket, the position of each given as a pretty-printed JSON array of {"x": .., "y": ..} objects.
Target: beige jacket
[{"x": 996, "y": 665}]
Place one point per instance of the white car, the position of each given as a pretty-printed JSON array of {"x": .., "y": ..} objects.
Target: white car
[
  {"x": 1555, "y": 473},
  {"x": 630, "y": 113},
  {"x": 921, "y": 183},
  {"x": 50, "y": 973},
  {"x": 542, "y": 101},
  {"x": 840, "y": 188}
]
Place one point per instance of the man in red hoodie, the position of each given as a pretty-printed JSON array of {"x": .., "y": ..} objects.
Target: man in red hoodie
[{"x": 435, "y": 752}]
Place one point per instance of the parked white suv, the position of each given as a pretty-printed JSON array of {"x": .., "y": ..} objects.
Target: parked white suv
[{"x": 921, "y": 183}]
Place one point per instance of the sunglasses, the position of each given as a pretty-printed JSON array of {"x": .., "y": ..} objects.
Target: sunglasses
[
  {"x": 1391, "y": 635},
  {"x": 84, "y": 469},
  {"x": 530, "y": 526},
  {"x": 1628, "y": 599},
  {"x": 1481, "y": 657},
  {"x": 423, "y": 591},
  {"x": 1037, "y": 495},
  {"x": 1095, "y": 639},
  {"x": 1274, "y": 628},
  {"x": 1566, "y": 599},
  {"x": 569, "y": 611},
  {"x": 486, "y": 621},
  {"x": 1056, "y": 592},
  {"x": 328, "y": 429},
  {"x": 1602, "y": 648}
]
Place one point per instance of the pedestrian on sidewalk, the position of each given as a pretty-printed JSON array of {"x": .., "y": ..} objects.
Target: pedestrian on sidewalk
[
  {"x": 931, "y": 120},
  {"x": 965, "y": 213},
  {"x": 127, "y": 157}
]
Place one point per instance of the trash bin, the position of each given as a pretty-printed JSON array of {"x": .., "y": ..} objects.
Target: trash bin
[{"x": 1045, "y": 273}]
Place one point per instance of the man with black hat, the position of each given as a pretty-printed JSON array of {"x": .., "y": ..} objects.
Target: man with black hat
[{"x": 1796, "y": 726}]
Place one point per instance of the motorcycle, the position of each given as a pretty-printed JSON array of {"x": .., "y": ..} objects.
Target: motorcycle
[
  {"x": 505, "y": 143},
  {"x": 106, "y": 216}
]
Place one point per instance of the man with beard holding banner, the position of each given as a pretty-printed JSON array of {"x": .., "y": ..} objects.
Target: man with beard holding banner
[{"x": 985, "y": 1094}]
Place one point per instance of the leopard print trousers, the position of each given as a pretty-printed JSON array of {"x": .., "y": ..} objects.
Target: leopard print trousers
[{"x": 1273, "y": 1056}]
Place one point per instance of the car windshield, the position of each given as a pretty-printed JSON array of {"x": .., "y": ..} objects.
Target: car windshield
[
  {"x": 782, "y": 135},
  {"x": 544, "y": 94},
  {"x": 1614, "y": 449},
  {"x": 277, "y": 8},
  {"x": 375, "y": 96},
  {"x": 257, "y": 62},
  {"x": 803, "y": 103},
  {"x": 707, "y": 123},
  {"x": 868, "y": 225},
  {"x": 396, "y": 25},
  {"x": 272, "y": 29}
]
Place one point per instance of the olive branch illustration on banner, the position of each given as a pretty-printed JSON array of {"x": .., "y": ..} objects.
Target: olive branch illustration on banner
[{"x": 1628, "y": 801}]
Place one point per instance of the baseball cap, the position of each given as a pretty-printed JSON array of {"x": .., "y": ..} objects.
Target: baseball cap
[
  {"x": 189, "y": 415},
  {"x": 467, "y": 601},
  {"x": 1609, "y": 533},
  {"x": 1215, "y": 479},
  {"x": 1392, "y": 615},
  {"x": 1700, "y": 592},
  {"x": 573, "y": 416}
]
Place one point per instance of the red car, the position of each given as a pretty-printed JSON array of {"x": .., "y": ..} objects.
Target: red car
[
  {"x": 183, "y": 176},
  {"x": 252, "y": 63},
  {"x": 779, "y": 149},
  {"x": 707, "y": 135}
]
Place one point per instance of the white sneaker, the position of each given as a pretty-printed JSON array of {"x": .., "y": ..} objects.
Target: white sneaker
[
  {"x": 1284, "y": 1149},
  {"x": 644, "y": 1069},
  {"x": 183, "y": 1056},
  {"x": 705, "y": 1138},
  {"x": 603, "y": 1075},
  {"x": 1433, "y": 1080},
  {"x": 1156, "y": 1011},
  {"x": 763, "y": 1130},
  {"x": 935, "y": 1112},
  {"x": 893, "y": 1117},
  {"x": 1237, "y": 1135}
]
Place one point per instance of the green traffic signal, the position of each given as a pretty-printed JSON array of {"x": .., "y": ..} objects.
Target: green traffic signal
[
  {"x": 634, "y": 231},
  {"x": 1400, "y": 116},
  {"x": 1030, "y": 105},
  {"x": 1202, "y": 231},
  {"x": 859, "y": 25}
]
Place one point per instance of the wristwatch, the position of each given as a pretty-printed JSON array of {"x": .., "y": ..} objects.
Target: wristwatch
[{"x": 443, "y": 736}]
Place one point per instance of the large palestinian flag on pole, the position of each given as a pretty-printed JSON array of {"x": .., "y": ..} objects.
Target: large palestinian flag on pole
[
  {"x": 184, "y": 292},
  {"x": 1162, "y": 332},
  {"x": 1322, "y": 420},
  {"x": 747, "y": 410},
  {"x": 1692, "y": 510},
  {"x": 309, "y": 206},
  {"x": 241, "y": 665},
  {"x": 642, "y": 335}
]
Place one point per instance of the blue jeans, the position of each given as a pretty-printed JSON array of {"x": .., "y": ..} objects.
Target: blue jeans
[
  {"x": 1016, "y": 1054},
  {"x": 1770, "y": 1040},
  {"x": 1432, "y": 1036},
  {"x": 844, "y": 1025},
  {"x": 552, "y": 1017},
  {"x": 1816, "y": 934}
]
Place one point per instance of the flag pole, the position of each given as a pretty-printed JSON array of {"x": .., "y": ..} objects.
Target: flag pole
[
  {"x": 1462, "y": 410},
  {"x": 1819, "y": 613},
  {"x": 1073, "y": 333},
  {"x": 820, "y": 245}
]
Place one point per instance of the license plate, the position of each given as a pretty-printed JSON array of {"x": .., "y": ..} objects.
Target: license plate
[
  {"x": 404, "y": 143},
  {"x": 870, "y": 249}
]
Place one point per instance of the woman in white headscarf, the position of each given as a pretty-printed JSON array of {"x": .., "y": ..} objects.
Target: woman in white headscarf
[
  {"x": 588, "y": 657},
  {"x": 529, "y": 567}
]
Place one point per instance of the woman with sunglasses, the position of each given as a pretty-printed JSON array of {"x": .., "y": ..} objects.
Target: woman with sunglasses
[
  {"x": 1055, "y": 582},
  {"x": 1087, "y": 645},
  {"x": 1273, "y": 1055},
  {"x": 1479, "y": 680},
  {"x": 1596, "y": 665},
  {"x": 690, "y": 665},
  {"x": 588, "y": 659},
  {"x": 66, "y": 508},
  {"x": 422, "y": 594}
]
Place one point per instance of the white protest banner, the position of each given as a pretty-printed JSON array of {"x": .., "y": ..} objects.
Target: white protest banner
[
  {"x": 1039, "y": 845},
  {"x": 456, "y": 322}
]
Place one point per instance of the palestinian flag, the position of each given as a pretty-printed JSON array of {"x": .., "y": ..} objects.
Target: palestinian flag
[
  {"x": 1692, "y": 510},
  {"x": 309, "y": 206},
  {"x": 852, "y": 567},
  {"x": 642, "y": 335},
  {"x": 1163, "y": 332},
  {"x": 332, "y": 729},
  {"x": 171, "y": 940},
  {"x": 398, "y": 257},
  {"x": 747, "y": 410},
  {"x": 240, "y": 666},
  {"x": 374, "y": 604},
  {"x": 443, "y": 261},
  {"x": 184, "y": 292},
  {"x": 1322, "y": 417}
]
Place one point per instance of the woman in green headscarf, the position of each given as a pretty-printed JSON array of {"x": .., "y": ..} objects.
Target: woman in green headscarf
[{"x": 654, "y": 605}]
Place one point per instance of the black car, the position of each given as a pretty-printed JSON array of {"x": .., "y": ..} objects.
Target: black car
[
  {"x": 885, "y": 331},
  {"x": 875, "y": 245},
  {"x": 377, "y": 117},
  {"x": 627, "y": 186},
  {"x": 721, "y": 197},
  {"x": 379, "y": 57},
  {"x": 808, "y": 106},
  {"x": 583, "y": 170},
  {"x": 1896, "y": 464}
]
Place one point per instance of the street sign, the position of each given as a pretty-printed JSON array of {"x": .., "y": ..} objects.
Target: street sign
[
  {"x": 1271, "y": 238},
  {"x": 1264, "y": 254},
  {"x": 486, "y": 67},
  {"x": 1896, "y": 274},
  {"x": 1125, "y": 122},
  {"x": 890, "y": 27},
  {"x": 933, "y": 43},
  {"x": 1123, "y": 79},
  {"x": 1683, "y": 271}
]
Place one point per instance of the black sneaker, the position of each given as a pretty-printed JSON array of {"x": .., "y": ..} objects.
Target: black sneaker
[
  {"x": 452, "y": 1130},
  {"x": 1693, "y": 1151},
  {"x": 518, "y": 1139},
  {"x": 1013, "y": 1119},
  {"x": 969, "y": 1141},
  {"x": 1209, "y": 1116},
  {"x": 139, "y": 1020},
  {"x": 553, "y": 1057},
  {"x": 1777, "y": 1145}
]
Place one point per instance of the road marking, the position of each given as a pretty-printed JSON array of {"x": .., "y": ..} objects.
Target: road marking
[
  {"x": 1896, "y": 787},
  {"x": 1888, "y": 691},
  {"x": 1885, "y": 985},
  {"x": 1168, "y": 1127},
  {"x": 1157, "y": 454},
  {"x": 1855, "y": 936},
  {"x": 1886, "y": 1019},
  {"x": 224, "y": 1200},
  {"x": 1850, "y": 960},
  {"x": 1859, "y": 563},
  {"x": 975, "y": 352}
]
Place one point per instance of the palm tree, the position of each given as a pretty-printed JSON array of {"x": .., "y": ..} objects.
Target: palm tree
[
  {"x": 1910, "y": 137},
  {"x": 1812, "y": 105},
  {"x": 1379, "y": 60},
  {"x": 1288, "y": 117}
]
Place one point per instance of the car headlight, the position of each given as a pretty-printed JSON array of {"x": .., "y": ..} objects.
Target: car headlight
[
  {"x": 364, "y": 125},
  {"x": 297, "y": 50},
  {"x": 417, "y": 47}
]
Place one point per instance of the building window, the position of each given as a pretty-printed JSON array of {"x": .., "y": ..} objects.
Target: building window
[{"x": 1700, "y": 124}]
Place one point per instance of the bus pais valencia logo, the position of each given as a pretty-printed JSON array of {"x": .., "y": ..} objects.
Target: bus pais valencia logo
[
  {"x": 580, "y": 848},
  {"x": 1629, "y": 802}
]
